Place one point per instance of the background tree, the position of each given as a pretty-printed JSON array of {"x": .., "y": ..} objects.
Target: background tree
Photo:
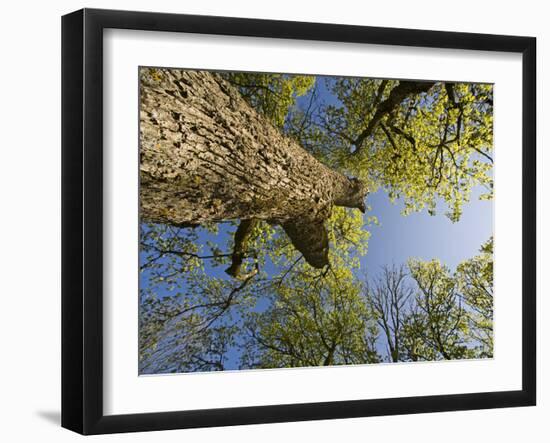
[
  {"x": 437, "y": 328},
  {"x": 425, "y": 312},
  {"x": 186, "y": 295},
  {"x": 475, "y": 278},
  {"x": 186, "y": 313},
  {"x": 312, "y": 321},
  {"x": 313, "y": 317},
  {"x": 389, "y": 295}
]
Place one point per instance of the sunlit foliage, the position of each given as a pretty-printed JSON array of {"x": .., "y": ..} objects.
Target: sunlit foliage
[
  {"x": 271, "y": 94},
  {"x": 426, "y": 312},
  {"x": 429, "y": 146}
]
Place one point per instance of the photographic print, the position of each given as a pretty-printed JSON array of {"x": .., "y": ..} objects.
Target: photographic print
[{"x": 291, "y": 220}]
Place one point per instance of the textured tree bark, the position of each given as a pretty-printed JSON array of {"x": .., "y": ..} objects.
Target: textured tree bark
[{"x": 206, "y": 155}]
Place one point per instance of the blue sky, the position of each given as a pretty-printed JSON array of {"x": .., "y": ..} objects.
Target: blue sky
[{"x": 421, "y": 235}]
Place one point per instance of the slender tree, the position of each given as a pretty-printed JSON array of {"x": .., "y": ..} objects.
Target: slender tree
[
  {"x": 390, "y": 296},
  {"x": 439, "y": 316},
  {"x": 475, "y": 278}
]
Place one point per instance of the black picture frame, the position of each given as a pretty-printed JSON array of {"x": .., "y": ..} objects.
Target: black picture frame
[{"x": 82, "y": 218}]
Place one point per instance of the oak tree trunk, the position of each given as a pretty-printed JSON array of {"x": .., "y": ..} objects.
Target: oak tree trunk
[{"x": 206, "y": 155}]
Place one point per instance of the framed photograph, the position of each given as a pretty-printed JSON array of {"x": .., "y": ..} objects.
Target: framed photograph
[{"x": 269, "y": 221}]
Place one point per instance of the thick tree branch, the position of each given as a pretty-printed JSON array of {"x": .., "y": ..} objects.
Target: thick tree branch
[
  {"x": 451, "y": 94},
  {"x": 397, "y": 95},
  {"x": 242, "y": 235}
]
